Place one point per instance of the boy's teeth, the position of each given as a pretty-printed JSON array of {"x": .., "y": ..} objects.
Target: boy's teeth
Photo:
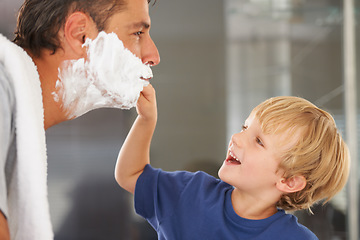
[{"x": 234, "y": 157}]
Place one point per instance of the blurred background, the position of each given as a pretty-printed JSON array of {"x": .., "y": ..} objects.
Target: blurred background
[{"x": 219, "y": 59}]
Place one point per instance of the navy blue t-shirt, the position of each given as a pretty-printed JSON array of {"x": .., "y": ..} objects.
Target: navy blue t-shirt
[{"x": 185, "y": 205}]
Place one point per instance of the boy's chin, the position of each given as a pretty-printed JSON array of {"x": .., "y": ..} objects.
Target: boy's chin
[
  {"x": 222, "y": 174},
  {"x": 226, "y": 174}
]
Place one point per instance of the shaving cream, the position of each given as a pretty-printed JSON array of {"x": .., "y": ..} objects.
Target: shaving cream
[{"x": 110, "y": 76}]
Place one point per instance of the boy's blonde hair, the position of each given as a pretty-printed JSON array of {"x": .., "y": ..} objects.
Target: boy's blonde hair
[{"x": 320, "y": 154}]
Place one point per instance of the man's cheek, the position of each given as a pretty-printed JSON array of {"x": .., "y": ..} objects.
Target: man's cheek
[{"x": 112, "y": 76}]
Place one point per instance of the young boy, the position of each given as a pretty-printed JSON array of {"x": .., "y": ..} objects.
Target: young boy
[{"x": 288, "y": 156}]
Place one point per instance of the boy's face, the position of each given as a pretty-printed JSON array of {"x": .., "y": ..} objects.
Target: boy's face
[
  {"x": 132, "y": 25},
  {"x": 252, "y": 160}
]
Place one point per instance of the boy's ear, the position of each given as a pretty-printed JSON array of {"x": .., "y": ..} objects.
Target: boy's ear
[
  {"x": 292, "y": 184},
  {"x": 78, "y": 27}
]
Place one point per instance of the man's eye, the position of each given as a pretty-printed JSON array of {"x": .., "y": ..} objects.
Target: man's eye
[
  {"x": 258, "y": 141},
  {"x": 138, "y": 33}
]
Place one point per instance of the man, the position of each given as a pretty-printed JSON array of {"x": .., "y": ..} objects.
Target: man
[{"x": 50, "y": 32}]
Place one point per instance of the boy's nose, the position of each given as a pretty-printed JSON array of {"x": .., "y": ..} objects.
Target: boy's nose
[{"x": 236, "y": 139}]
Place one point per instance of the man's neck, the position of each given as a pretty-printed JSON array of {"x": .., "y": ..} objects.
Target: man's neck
[{"x": 47, "y": 66}]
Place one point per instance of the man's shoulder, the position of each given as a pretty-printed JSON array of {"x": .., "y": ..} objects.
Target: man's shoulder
[
  {"x": 6, "y": 86},
  {"x": 5, "y": 76},
  {"x": 7, "y": 135}
]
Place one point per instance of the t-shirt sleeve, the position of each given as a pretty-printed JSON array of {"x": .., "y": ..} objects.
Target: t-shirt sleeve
[
  {"x": 157, "y": 193},
  {"x": 6, "y": 108}
]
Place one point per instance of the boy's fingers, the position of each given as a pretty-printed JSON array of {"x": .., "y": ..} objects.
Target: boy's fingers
[{"x": 148, "y": 92}]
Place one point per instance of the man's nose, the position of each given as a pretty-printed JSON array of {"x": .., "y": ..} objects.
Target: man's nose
[{"x": 150, "y": 53}]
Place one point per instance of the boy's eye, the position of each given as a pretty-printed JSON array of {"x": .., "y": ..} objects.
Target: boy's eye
[
  {"x": 258, "y": 141},
  {"x": 244, "y": 128}
]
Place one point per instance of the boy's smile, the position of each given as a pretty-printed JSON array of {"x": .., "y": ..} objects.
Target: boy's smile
[{"x": 232, "y": 159}]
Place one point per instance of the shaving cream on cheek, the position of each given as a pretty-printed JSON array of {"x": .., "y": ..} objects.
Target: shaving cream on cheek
[{"x": 111, "y": 76}]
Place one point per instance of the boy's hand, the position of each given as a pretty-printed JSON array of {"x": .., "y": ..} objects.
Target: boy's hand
[{"x": 146, "y": 104}]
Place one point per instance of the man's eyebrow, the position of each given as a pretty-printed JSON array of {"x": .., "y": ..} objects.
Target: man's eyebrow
[{"x": 139, "y": 25}]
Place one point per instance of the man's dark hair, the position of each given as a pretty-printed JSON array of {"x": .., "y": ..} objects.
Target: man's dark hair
[{"x": 39, "y": 21}]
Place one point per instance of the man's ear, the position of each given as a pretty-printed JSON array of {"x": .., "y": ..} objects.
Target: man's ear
[
  {"x": 78, "y": 27},
  {"x": 292, "y": 184}
]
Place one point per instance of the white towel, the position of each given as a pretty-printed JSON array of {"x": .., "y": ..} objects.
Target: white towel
[{"x": 29, "y": 217}]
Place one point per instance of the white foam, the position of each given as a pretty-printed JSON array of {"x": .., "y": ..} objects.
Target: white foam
[{"x": 109, "y": 77}]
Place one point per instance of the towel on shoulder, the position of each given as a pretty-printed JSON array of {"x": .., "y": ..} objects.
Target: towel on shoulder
[{"x": 28, "y": 207}]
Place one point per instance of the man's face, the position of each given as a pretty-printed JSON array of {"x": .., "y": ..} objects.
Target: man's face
[
  {"x": 113, "y": 72},
  {"x": 132, "y": 25}
]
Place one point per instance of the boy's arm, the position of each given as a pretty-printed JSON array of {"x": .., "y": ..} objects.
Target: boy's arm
[{"x": 135, "y": 152}]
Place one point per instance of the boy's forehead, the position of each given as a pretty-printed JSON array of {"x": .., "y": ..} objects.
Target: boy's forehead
[{"x": 250, "y": 118}]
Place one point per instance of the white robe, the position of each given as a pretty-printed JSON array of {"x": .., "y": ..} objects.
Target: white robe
[{"x": 28, "y": 207}]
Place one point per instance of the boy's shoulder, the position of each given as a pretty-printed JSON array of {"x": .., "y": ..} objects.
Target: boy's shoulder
[
  {"x": 183, "y": 183},
  {"x": 288, "y": 227},
  {"x": 184, "y": 176}
]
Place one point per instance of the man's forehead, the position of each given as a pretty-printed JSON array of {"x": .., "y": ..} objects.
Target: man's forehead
[
  {"x": 140, "y": 24},
  {"x": 128, "y": 21}
]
